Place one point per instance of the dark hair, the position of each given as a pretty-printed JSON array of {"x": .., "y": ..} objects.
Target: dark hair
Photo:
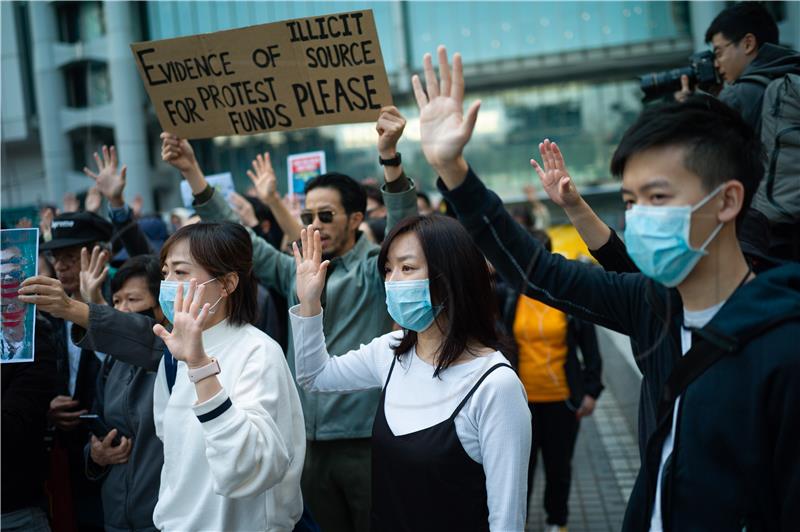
[
  {"x": 459, "y": 283},
  {"x": 718, "y": 144},
  {"x": 146, "y": 266},
  {"x": 262, "y": 212},
  {"x": 222, "y": 248},
  {"x": 354, "y": 199},
  {"x": 374, "y": 193},
  {"x": 742, "y": 18},
  {"x": 425, "y": 197}
]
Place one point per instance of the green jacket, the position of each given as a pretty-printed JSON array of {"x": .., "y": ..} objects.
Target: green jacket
[{"x": 355, "y": 313}]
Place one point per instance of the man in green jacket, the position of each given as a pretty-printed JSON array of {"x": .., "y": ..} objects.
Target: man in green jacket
[{"x": 336, "y": 478}]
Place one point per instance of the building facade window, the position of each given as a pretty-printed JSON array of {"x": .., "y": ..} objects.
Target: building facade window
[
  {"x": 80, "y": 21},
  {"x": 87, "y": 84},
  {"x": 85, "y": 141}
]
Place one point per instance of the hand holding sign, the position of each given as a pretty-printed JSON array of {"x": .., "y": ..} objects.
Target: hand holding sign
[
  {"x": 390, "y": 127},
  {"x": 178, "y": 152}
]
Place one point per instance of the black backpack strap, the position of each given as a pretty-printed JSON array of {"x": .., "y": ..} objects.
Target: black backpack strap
[{"x": 712, "y": 347}]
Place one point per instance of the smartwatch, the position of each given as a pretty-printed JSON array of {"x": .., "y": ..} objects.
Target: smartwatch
[
  {"x": 204, "y": 372},
  {"x": 394, "y": 161}
]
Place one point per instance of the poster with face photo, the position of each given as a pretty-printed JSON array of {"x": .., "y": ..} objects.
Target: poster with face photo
[
  {"x": 20, "y": 250},
  {"x": 302, "y": 168}
]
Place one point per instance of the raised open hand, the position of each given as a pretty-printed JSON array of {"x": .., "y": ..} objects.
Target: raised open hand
[
  {"x": 185, "y": 342},
  {"x": 94, "y": 271},
  {"x": 110, "y": 183},
  {"x": 554, "y": 177},
  {"x": 45, "y": 219},
  {"x": 263, "y": 178},
  {"x": 178, "y": 152},
  {"x": 93, "y": 200},
  {"x": 244, "y": 209},
  {"x": 71, "y": 203},
  {"x": 310, "y": 278},
  {"x": 137, "y": 205},
  {"x": 444, "y": 129}
]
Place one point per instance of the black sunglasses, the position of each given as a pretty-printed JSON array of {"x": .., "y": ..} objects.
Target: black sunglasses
[{"x": 326, "y": 217}]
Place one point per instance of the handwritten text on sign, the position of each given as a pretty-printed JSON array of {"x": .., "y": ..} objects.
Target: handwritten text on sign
[{"x": 271, "y": 77}]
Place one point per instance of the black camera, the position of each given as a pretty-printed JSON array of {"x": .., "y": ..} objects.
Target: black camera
[{"x": 701, "y": 73}]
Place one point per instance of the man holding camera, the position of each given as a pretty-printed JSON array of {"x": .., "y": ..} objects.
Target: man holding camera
[
  {"x": 762, "y": 80},
  {"x": 744, "y": 38}
]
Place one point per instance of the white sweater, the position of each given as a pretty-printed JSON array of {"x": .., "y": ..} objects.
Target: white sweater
[
  {"x": 240, "y": 468},
  {"x": 494, "y": 427}
]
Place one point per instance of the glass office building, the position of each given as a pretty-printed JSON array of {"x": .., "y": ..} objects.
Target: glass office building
[
  {"x": 563, "y": 70},
  {"x": 542, "y": 69}
]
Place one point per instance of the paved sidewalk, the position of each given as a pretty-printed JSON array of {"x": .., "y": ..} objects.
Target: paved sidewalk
[{"x": 603, "y": 471}]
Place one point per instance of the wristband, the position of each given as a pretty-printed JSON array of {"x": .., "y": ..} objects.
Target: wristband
[
  {"x": 394, "y": 161},
  {"x": 204, "y": 372}
]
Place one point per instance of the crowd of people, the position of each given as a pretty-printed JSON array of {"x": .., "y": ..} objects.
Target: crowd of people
[{"x": 362, "y": 361}]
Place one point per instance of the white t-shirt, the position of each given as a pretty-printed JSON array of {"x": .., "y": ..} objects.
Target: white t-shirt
[
  {"x": 692, "y": 319},
  {"x": 494, "y": 427}
]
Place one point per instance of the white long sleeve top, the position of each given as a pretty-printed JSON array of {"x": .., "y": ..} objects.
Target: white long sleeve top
[
  {"x": 494, "y": 427},
  {"x": 239, "y": 468}
]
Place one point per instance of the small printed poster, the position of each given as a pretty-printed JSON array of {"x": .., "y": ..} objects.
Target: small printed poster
[
  {"x": 222, "y": 182},
  {"x": 302, "y": 168},
  {"x": 19, "y": 260}
]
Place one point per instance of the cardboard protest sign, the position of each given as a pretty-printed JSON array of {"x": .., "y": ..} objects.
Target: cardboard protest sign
[
  {"x": 222, "y": 182},
  {"x": 19, "y": 252},
  {"x": 285, "y": 75},
  {"x": 302, "y": 168}
]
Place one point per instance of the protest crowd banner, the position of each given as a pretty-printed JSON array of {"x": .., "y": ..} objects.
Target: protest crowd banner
[{"x": 280, "y": 76}]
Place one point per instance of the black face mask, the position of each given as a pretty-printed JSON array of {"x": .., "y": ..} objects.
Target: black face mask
[{"x": 149, "y": 313}]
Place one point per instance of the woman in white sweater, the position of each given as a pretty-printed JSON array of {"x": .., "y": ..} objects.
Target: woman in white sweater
[
  {"x": 225, "y": 403},
  {"x": 452, "y": 433}
]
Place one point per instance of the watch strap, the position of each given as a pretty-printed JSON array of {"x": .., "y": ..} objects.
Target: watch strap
[
  {"x": 204, "y": 372},
  {"x": 394, "y": 161}
]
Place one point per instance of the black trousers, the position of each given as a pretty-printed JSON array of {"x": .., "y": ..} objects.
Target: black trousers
[{"x": 555, "y": 429}]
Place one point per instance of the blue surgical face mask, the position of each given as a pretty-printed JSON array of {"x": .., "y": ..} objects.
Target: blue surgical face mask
[
  {"x": 409, "y": 304},
  {"x": 657, "y": 239},
  {"x": 167, "y": 293}
]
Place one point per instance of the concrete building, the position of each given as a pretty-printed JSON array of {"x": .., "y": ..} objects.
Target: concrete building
[{"x": 563, "y": 70}]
